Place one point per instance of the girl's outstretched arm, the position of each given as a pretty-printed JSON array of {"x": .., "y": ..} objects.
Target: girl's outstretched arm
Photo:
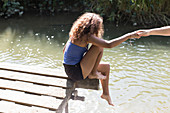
[
  {"x": 111, "y": 43},
  {"x": 164, "y": 31}
]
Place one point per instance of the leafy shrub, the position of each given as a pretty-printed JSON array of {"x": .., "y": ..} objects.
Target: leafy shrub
[
  {"x": 10, "y": 8},
  {"x": 142, "y": 12}
]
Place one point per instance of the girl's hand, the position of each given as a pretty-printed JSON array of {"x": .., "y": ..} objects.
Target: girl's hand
[
  {"x": 133, "y": 35},
  {"x": 143, "y": 32}
]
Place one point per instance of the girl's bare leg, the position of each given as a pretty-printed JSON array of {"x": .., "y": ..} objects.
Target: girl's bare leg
[
  {"x": 90, "y": 62},
  {"x": 105, "y": 69},
  {"x": 90, "y": 65},
  {"x": 99, "y": 74}
]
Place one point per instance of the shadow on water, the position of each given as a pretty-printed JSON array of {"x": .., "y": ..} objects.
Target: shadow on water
[{"x": 56, "y": 27}]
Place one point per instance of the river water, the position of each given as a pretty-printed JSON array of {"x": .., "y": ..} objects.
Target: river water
[{"x": 140, "y": 69}]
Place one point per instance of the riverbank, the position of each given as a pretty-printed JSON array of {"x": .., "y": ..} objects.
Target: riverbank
[
  {"x": 136, "y": 13},
  {"x": 62, "y": 19}
]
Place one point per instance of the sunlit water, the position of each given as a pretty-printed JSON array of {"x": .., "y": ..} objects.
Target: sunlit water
[{"x": 140, "y": 69}]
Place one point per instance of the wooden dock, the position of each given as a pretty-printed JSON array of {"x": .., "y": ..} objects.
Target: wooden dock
[{"x": 29, "y": 89}]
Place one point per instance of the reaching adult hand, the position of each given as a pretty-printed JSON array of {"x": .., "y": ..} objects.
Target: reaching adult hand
[{"x": 143, "y": 32}]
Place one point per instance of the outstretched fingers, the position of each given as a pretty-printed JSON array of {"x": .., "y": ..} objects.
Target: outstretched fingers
[{"x": 143, "y": 32}]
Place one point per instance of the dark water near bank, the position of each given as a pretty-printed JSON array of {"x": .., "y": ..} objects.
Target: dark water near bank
[{"x": 140, "y": 69}]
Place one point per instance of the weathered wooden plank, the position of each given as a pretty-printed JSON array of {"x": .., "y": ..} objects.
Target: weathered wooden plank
[
  {"x": 10, "y": 107},
  {"x": 87, "y": 83},
  {"x": 30, "y": 100},
  {"x": 37, "y": 87},
  {"x": 34, "y": 70},
  {"x": 36, "y": 79},
  {"x": 33, "y": 88}
]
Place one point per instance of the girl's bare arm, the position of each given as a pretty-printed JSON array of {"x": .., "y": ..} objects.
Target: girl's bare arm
[{"x": 111, "y": 43}]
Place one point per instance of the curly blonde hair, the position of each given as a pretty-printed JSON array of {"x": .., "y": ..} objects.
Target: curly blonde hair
[{"x": 88, "y": 23}]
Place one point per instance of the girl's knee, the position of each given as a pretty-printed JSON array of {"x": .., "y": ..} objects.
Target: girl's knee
[
  {"x": 106, "y": 64},
  {"x": 104, "y": 67},
  {"x": 100, "y": 49}
]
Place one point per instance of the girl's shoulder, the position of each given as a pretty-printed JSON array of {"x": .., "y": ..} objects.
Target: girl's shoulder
[{"x": 82, "y": 42}]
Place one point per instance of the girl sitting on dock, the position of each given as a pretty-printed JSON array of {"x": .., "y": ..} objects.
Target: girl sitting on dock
[{"x": 80, "y": 61}]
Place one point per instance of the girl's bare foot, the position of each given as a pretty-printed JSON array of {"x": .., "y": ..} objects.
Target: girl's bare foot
[
  {"x": 98, "y": 75},
  {"x": 108, "y": 99}
]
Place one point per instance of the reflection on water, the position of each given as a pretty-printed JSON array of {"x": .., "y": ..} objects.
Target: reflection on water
[
  {"x": 140, "y": 69},
  {"x": 30, "y": 48}
]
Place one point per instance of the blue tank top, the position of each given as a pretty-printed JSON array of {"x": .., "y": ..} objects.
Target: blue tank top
[{"x": 73, "y": 53}]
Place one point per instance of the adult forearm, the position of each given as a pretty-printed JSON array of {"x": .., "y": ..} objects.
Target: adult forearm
[{"x": 165, "y": 31}]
